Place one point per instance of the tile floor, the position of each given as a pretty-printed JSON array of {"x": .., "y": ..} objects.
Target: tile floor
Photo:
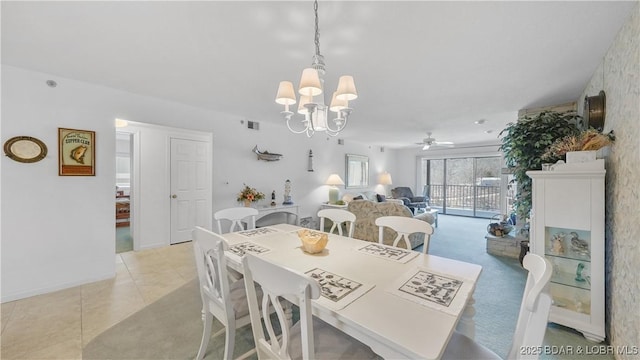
[{"x": 57, "y": 325}]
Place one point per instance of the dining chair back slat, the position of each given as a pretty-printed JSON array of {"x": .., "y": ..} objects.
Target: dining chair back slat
[
  {"x": 536, "y": 304},
  {"x": 235, "y": 215},
  {"x": 309, "y": 338},
  {"x": 337, "y": 217},
  {"x": 404, "y": 226}
]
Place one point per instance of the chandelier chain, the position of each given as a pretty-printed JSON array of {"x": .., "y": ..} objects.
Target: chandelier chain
[{"x": 317, "y": 35}]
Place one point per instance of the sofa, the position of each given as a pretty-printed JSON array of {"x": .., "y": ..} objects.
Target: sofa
[
  {"x": 364, "y": 195},
  {"x": 368, "y": 211}
]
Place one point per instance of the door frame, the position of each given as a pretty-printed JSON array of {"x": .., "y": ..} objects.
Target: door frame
[{"x": 139, "y": 233}]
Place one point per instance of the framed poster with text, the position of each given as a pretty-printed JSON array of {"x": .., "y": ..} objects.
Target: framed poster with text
[{"x": 76, "y": 152}]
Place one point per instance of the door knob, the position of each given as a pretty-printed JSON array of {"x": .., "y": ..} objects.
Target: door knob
[{"x": 174, "y": 196}]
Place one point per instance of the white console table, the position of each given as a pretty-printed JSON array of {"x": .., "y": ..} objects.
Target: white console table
[{"x": 288, "y": 210}]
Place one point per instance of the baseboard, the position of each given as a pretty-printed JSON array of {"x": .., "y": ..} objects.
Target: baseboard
[{"x": 49, "y": 289}]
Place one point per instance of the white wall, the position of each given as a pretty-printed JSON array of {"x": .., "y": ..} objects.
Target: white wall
[{"x": 59, "y": 232}]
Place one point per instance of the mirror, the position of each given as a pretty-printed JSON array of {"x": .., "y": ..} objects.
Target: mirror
[{"x": 357, "y": 171}]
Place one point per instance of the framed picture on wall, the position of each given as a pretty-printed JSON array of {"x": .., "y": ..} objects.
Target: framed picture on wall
[{"x": 76, "y": 152}]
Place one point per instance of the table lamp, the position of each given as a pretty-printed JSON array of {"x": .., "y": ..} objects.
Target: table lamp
[
  {"x": 334, "y": 180},
  {"x": 384, "y": 179}
]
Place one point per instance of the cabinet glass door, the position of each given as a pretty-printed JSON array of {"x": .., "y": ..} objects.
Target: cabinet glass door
[{"x": 569, "y": 250}]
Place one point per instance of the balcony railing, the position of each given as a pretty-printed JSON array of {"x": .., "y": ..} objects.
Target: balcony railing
[{"x": 462, "y": 197}]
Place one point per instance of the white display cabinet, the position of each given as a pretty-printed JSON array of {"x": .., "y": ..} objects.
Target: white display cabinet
[{"x": 567, "y": 227}]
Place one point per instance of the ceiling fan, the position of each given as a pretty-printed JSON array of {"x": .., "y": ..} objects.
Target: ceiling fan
[{"x": 428, "y": 142}]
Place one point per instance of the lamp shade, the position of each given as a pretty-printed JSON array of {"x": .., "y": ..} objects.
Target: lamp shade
[
  {"x": 310, "y": 83},
  {"x": 337, "y": 104},
  {"x": 346, "y": 88},
  {"x": 334, "y": 179},
  {"x": 384, "y": 179},
  {"x": 285, "y": 95}
]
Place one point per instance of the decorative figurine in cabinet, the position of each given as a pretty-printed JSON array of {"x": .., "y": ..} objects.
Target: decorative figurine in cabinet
[{"x": 567, "y": 227}]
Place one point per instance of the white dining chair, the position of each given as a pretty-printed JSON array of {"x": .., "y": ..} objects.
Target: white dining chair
[
  {"x": 532, "y": 319},
  {"x": 309, "y": 338},
  {"x": 404, "y": 226},
  {"x": 236, "y": 215},
  {"x": 225, "y": 301},
  {"x": 337, "y": 217}
]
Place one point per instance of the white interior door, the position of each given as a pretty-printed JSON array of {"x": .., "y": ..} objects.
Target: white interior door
[{"x": 190, "y": 187}]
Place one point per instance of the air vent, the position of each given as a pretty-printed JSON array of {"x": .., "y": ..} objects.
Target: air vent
[{"x": 253, "y": 125}]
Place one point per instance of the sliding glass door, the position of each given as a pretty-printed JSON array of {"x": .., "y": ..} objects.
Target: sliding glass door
[
  {"x": 459, "y": 186},
  {"x": 488, "y": 185},
  {"x": 464, "y": 186}
]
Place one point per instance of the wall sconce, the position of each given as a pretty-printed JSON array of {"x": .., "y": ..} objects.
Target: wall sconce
[{"x": 121, "y": 123}]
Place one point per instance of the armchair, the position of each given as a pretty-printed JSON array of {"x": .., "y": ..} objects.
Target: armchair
[{"x": 412, "y": 202}]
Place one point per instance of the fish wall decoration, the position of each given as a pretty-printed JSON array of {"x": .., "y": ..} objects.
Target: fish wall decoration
[{"x": 265, "y": 155}]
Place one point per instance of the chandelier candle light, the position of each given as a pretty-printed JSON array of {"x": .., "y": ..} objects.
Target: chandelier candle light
[
  {"x": 311, "y": 86},
  {"x": 334, "y": 180}
]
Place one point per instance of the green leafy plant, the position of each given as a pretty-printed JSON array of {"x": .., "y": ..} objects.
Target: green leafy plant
[{"x": 525, "y": 141}]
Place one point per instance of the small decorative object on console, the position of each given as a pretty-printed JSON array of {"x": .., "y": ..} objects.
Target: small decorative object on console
[
  {"x": 287, "y": 193},
  {"x": 313, "y": 242},
  {"x": 249, "y": 195}
]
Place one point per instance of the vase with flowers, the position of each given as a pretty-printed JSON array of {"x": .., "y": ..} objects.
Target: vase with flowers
[{"x": 249, "y": 195}]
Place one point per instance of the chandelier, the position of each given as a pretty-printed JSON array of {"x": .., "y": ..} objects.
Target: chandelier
[{"x": 312, "y": 103}]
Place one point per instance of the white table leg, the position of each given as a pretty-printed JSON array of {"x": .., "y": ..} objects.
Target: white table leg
[{"x": 467, "y": 325}]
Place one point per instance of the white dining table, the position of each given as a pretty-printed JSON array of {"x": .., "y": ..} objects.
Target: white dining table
[{"x": 378, "y": 314}]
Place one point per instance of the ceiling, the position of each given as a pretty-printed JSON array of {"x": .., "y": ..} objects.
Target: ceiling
[{"x": 418, "y": 65}]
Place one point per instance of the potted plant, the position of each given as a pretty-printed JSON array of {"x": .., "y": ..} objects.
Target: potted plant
[{"x": 523, "y": 144}]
